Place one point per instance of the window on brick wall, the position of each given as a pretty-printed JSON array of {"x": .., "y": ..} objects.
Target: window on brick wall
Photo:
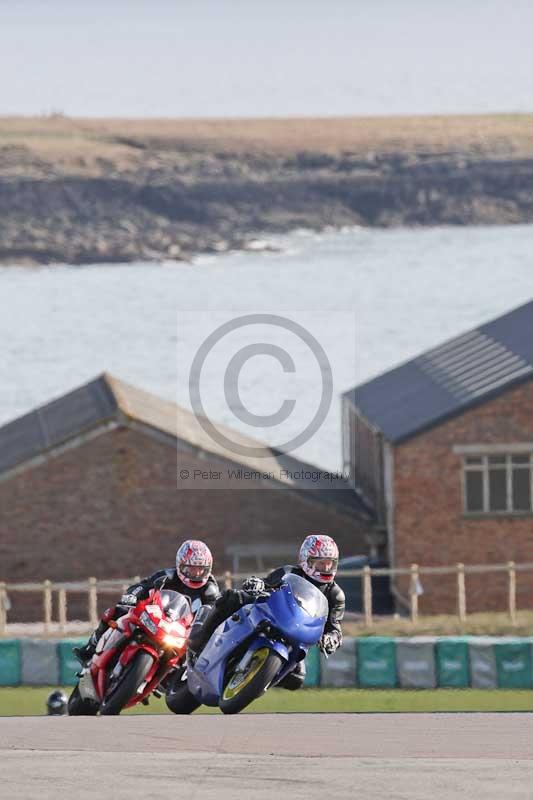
[{"x": 499, "y": 483}]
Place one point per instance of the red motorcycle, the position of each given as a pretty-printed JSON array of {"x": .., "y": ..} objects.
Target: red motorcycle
[{"x": 134, "y": 655}]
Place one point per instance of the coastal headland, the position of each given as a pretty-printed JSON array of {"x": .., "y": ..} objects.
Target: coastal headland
[{"x": 84, "y": 191}]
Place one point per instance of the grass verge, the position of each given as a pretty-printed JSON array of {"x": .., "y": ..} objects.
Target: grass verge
[{"x": 31, "y": 701}]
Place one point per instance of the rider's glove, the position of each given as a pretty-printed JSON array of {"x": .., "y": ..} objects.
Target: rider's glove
[
  {"x": 329, "y": 643},
  {"x": 128, "y": 600},
  {"x": 253, "y": 585},
  {"x": 253, "y": 589}
]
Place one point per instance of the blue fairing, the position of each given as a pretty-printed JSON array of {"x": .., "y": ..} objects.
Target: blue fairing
[{"x": 294, "y": 618}]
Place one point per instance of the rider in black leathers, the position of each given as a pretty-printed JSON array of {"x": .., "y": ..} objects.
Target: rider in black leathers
[
  {"x": 192, "y": 577},
  {"x": 315, "y": 549}
]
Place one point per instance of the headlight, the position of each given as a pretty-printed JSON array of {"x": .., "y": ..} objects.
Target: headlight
[
  {"x": 174, "y": 641},
  {"x": 146, "y": 620},
  {"x": 173, "y": 628}
]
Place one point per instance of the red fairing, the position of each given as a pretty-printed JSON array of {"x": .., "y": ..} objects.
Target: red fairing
[
  {"x": 133, "y": 648},
  {"x": 159, "y": 626}
]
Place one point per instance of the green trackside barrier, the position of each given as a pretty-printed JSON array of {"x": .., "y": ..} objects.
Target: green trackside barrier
[
  {"x": 68, "y": 664},
  {"x": 507, "y": 664},
  {"x": 513, "y": 664},
  {"x": 10, "y": 662},
  {"x": 312, "y": 665},
  {"x": 453, "y": 667},
  {"x": 376, "y": 662}
]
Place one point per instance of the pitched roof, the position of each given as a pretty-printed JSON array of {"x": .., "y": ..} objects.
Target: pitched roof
[
  {"x": 107, "y": 399},
  {"x": 54, "y": 423},
  {"x": 450, "y": 378}
]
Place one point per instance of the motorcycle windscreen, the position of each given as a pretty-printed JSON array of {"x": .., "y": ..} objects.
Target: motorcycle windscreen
[
  {"x": 307, "y": 596},
  {"x": 298, "y": 609},
  {"x": 175, "y": 605}
]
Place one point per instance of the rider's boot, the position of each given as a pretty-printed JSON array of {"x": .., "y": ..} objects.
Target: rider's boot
[
  {"x": 207, "y": 619},
  {"x": 87, "y": 651},
  {"x": 295, "y": 679}
]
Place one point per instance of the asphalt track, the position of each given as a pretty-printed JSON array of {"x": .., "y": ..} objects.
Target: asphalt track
[{"x": 386, "y": 756}]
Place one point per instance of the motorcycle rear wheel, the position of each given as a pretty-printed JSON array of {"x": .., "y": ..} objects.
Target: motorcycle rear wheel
[
  {"x": 78, "y": 707},
  {"x": 130, "y": 680},
  {"x": 179, "y": 700},
  {"x": 242, "y": 690}
]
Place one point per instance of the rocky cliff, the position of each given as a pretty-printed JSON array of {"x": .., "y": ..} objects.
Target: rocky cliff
[{"x": 93, "y": 191}]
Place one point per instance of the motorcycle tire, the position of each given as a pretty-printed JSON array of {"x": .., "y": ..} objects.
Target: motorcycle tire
[
  {"x": 262, "y": 670},
  {"x": 130, "y": 680},
  {"x": 179, "y": 700},
  {"x": 78, "y": 707}
]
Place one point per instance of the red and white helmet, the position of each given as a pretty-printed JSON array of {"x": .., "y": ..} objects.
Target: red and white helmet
[
  {"x": 319, "y": 556},
  {"x": 194, "y": 563}
]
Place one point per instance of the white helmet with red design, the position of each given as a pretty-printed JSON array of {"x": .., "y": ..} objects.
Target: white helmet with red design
[
  {"x": 194, "y": 563},
  {"x": 319, "y": 556}
]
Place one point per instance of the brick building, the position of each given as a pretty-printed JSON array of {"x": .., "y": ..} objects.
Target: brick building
[
  {"x": 442, "y": 449},
  {"x": 89, "y": 486}
]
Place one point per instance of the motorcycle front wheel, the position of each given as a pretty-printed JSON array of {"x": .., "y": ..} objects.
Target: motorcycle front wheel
[
  {"x": 129, "y": 681},
  {"x": 246, "y": 686}
]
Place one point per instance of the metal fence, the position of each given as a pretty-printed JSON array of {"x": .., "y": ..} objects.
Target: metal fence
[{"x": 94, "y": 588}]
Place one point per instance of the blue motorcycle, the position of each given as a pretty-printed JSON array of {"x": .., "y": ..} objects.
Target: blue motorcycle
[{"x": 257, "y": 646}]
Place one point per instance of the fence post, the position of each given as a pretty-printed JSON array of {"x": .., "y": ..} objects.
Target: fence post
[
  {"x": 461, "y": 592},
  {"x": 62, "y": 610},
  {"x": 512, "y": 591},
  {"x": 93, "y": 603},
  {"x": 47, "y": 605},
  {"x": 3, "y": 609},
  {"x": 367, "y": 595},
  {"x": 228, "y": 583},
  {"x": 413, "y": 592}
]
